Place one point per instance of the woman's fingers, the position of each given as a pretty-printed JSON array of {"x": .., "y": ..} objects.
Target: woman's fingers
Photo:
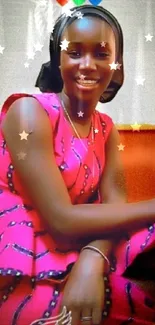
[
  {"x": 96, "y": 315},
  {"x": 86, "y": 316},
  {"x": 75, "y": 316}
]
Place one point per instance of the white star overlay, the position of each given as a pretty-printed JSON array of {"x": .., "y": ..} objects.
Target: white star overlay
[
  {"x": 26, "y": 65},
  {"x": 67, "y": 12},
  {"x": 64, "y": 44},
  {"x": 136, "y": 126},
  {"x": 38, "y": 47},
  {"x": 80, "y": 114},
  {"x": 140, "y": 81},
  {"x": 31, "y": 55},
  {"x": 121, "y": 147},
  {"x": 23, "y": 135},
  {"x": 21, "y": 155},
  {"x": 149, "y": 38},
  {"x": 82, "y": 77},
  {"x": 2, "y": 49},
  {"x": 118, "y": 66},
  {"x": 79, "y": 15},
  {"x": 113, "y": 66},
  {"x": 103, "y": 44}
]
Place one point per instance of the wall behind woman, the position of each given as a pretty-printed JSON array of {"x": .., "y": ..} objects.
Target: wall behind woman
[{"x": 24, "y": 38}]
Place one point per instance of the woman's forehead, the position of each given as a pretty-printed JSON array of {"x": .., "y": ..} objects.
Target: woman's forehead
[{"x": 92, "y": 28}]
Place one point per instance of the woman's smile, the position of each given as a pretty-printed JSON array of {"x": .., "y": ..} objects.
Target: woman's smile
[{"x": 87, "y": 84}]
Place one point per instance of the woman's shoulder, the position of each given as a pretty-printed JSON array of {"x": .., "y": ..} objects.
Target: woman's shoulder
[
  {"x": 27, "y": 102},
  {"x": 50, "y": 103}
]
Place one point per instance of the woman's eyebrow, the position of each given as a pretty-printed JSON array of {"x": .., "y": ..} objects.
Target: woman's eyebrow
[
  {"x": 94, "y": 43},
  {"x": 77, "y": 42}
]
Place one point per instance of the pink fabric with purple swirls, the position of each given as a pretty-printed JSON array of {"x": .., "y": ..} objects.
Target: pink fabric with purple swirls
[{"x": 31, "y": 267}]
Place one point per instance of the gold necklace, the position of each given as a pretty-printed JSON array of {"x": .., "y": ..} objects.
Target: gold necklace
[{"x": 92, "y": 136}]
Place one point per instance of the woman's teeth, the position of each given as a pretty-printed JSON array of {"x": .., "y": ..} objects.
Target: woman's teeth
[{"x": 87, "y": 82}]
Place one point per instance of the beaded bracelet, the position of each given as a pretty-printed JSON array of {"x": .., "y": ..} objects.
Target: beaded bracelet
[{"x": 98, "y": 251}]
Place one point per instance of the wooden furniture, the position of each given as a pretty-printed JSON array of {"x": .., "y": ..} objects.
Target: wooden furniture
[{"x": 139, "y": 161}]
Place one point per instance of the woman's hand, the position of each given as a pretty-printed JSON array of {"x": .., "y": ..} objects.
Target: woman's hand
[{"x": 84, "y": 290}]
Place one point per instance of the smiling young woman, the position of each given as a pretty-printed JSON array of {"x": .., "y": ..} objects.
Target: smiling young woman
[
  {"x": 86, "y": 60},
  {"x": 62, "y": 187}
]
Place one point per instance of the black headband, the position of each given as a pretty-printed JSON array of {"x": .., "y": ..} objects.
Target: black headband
[{"x": 63, "y": 22}]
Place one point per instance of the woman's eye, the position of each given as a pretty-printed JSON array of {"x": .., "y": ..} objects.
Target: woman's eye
[
  {"x": 74, "y": 53},
  {"x": 103, "y": 54},
  {"x": 77, "y": 54}
]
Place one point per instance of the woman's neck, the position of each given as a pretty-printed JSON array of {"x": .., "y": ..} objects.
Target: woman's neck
[{"x": 74, "y": 106}]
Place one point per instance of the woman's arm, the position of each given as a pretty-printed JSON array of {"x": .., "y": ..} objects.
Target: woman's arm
[
  {"x": 112, "y": 190},
  {"x": 45, "y": 185}
]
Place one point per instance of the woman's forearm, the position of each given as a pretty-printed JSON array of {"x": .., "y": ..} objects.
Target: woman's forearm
[{"x": 104, "y": 220}]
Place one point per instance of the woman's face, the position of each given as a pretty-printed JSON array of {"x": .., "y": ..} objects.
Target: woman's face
[{"x": 87, "y": 59}]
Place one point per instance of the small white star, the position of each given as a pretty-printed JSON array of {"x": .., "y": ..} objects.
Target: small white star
[
  {"x": 121, "y": 147},
  {"x": 79, "y": 15},
  {"x": 80, "y": 114},
  {"x": 82, "y": 77},
  {"x": 113, "y": 66},
  {"x": 103, "y": 44},
  {"x": 21, "y": 155},
  {"x": 38, "y": 47},
  {"x": 135, "y": 126},
  {"x": 1, "y": 49},
  {"x": 96, "y": 131},
  {"x": 149, "y": 38},
  {"x": 31, "y": 55},
  {"x": 140, "y": 81},
  {"x": 118, "y": 66},
  {"x": 26, "y": 65},
  {"x": 64, "y": 44},
  {"x": 23, "y": 135},
  {"x": 67, "y": 12}
]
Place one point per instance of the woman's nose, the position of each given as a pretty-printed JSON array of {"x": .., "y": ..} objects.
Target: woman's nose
[{"x": 88, "y": 62}]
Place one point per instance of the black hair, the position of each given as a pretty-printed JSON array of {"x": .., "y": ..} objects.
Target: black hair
[{"x": 49, "y": 79}]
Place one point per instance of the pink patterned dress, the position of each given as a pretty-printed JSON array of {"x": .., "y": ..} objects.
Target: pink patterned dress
[{"x": 31, "y": 266}]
